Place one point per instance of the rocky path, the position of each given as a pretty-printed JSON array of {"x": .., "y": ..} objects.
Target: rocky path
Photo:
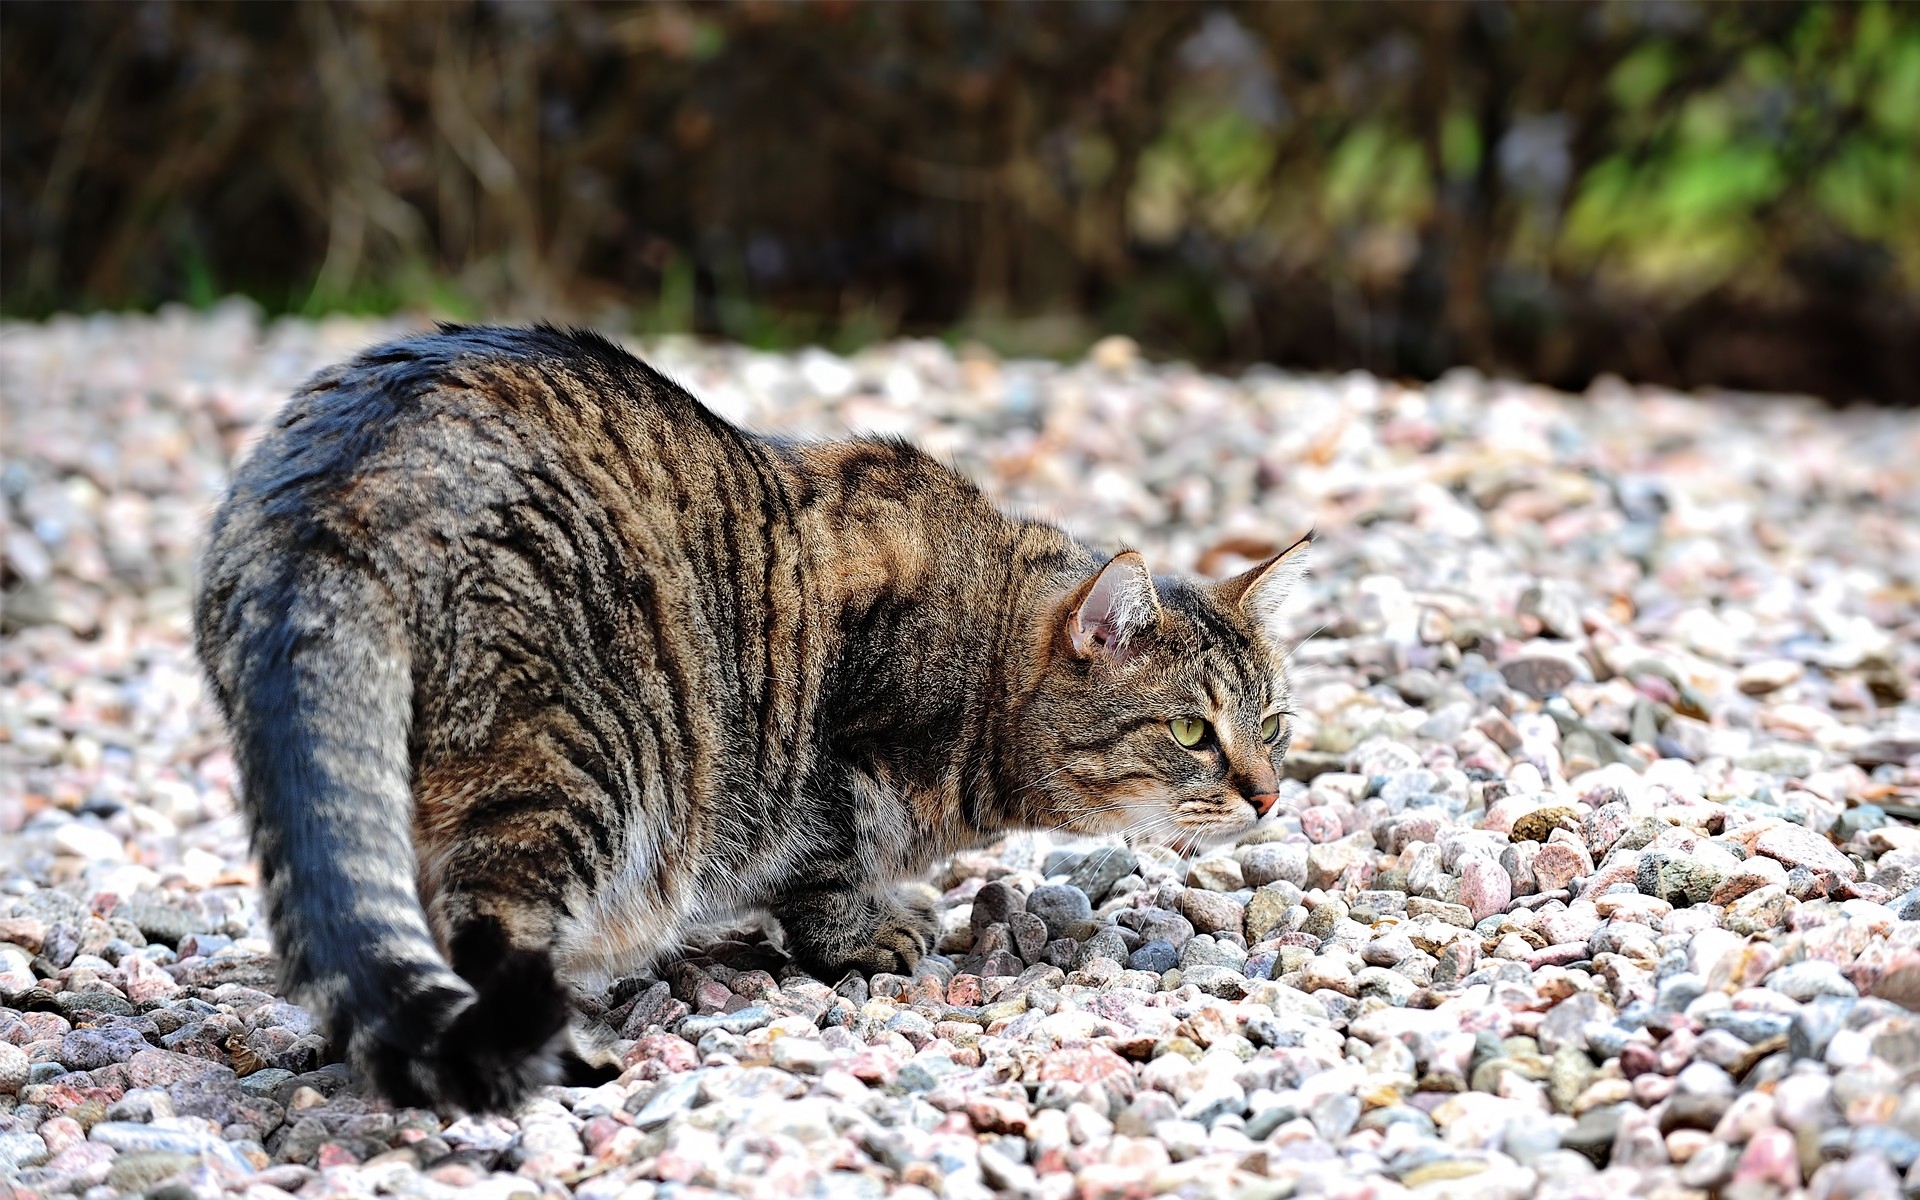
[{"x": 1596, "y": 876}]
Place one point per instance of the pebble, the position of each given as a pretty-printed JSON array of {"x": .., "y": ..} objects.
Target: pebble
[
  {"x": 14, "y": 1068},
  {"x": 1798, "y": 846},
  {"x": 1211, "y": 912},
  {"x": 1060, "y": 907},
  {"x": 1485, "y": 888},
  {"x": 1617, "y": 825}
]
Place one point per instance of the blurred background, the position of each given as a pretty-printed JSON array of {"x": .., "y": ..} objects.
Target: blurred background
[{"x": 1682, "y": 193}]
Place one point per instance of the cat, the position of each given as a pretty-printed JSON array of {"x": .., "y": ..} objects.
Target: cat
[{"x": 529, "y": 660}]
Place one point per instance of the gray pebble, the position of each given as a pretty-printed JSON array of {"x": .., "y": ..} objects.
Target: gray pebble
[
  {"x": 1334, "y": 1116},
  {"x": 994, "y": 903},
  {"x": 1108, "y": 943},
  {"x": 1211, "y": 912},
  {"x": 1029, "y": 935},
  {"x": 1809, "y": 978},
  {"x": 1096, "y": 874},
  {"x": 1158, "y": 924},
  {"x": 1275, "y": 863},
  {"x": 1156, "y": 955},
  {"x": 20, "y": 1149},
  {"x": 1750, "y": 1027},
  {"x": 1059, "y": 906}
]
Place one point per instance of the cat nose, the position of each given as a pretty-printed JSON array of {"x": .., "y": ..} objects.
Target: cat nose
[{"x": 1263, "y": 803}]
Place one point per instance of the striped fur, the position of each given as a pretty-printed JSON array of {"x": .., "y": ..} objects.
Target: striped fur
[{"x": 530, "y": 661}]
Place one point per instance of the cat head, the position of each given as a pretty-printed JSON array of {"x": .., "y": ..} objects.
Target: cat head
[{"x": 1162, "y": 708}]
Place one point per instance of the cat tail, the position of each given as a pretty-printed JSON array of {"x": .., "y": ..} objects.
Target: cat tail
[{"x": 314, "y": 670}]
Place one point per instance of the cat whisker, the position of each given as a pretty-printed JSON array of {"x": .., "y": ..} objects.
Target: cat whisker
[
  {"x": 1049, "y": 775},
  {"x": 1288, "y": 660},
  {"x": 1080, "y": 816}
]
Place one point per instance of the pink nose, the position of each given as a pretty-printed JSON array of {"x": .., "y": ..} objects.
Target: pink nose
[{"x": 1263, "y": 803}]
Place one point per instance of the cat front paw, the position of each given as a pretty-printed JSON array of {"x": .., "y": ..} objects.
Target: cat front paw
[
  {"x": 906, "y": 929},
  {"x": 865, "y": 934}
]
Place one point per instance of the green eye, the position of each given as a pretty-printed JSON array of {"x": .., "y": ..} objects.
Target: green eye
[
  {"x": 1188, "y": 731},
  {"x": 1270, "y": 728}
]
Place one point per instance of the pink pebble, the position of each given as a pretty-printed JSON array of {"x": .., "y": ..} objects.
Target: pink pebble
[
  {"x": 1502, "y": 813},
  {"x": 1556, "y": 866},
  {"x": 1320, "y": 825},
  {"x": 1485, "y": 887},
  {"x": 1769, "y": 1158}
]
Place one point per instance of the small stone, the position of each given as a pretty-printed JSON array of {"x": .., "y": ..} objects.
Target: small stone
[
  {"x": 1900, "y": 983},
  {"x": 1108, "y": 944},
  {"x": 159, "y": 1068},
  {"x": 266, "y": 1082},
  {"x": 1211, "y": 912},
  {"x": 1275, "y": 862},
  {"x": 1101, "y": 869},
  {"x": 1798, "y": 846},
  {"x": 1766, "y": 908},
  {"x": 927, "y": 1071},
  {"x": 161, "y": 923},
  {"x": 1749, "y": 1026},
  {"x": 1159, "y": 924},
  {"x": 1814, "y": 1026},
  {"x": 90, "y": 1049},
  {"x": 1767, "y": 675},
  {"x": 15, "y": 1068},
  {"x": 1321, "y": 825},
  {"x": 1701, "y": 1096},
  {"x": 1569, "y": 1073},
  {"x": 1556, "y": 866},
  {"x": 1549, "y": 609},
  {"x": 673, "y": 1097},
  {"x": 1216, "y": 875},
  {"x": 994, "y": 903},
  {"x": 1770, "y": 1157},
  {"x": 88, "y": 841},
  {"x": 92, "y": 1003},
  {"x": 1116, "y": 354},
  {"x": 1809, "y": 978},
  {"x": 1334, "y": 1116},
  {"x": 1059, "y": 906},
  {"x": 1536, "y": 825},
  {"x": 1156, "y": 956},
  {"x": 1683, "y": 877},
  {"x": 137, "y": 1172},
  {"x": 1750, "y": 876},
  {"x": 1538, "y": 675},
  {"x": 1594, "y": 1134},
  {"x": 1268, "y": 908},
  {"x": 1089, "y": 1064},
  {"x": 1391, "y": 986},
  {"x": 1485, "y": 888}
]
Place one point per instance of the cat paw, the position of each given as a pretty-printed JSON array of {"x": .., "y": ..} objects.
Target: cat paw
[
  {"x": 906, "y": 929},
  {"x": 890, "y": 932}
]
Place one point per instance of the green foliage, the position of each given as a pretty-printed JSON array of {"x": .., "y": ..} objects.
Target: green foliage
[{"x": 1400, "y": 185}]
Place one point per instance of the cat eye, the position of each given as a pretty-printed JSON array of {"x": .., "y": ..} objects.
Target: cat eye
[
  {"x": 1188, "y": 731},
  {"x": 1270, "y": 728}
]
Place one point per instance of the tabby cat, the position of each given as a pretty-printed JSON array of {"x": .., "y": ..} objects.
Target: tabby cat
[{"x": 530, "y": 661}]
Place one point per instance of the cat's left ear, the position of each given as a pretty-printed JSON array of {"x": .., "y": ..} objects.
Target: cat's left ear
[
  {"x": 1114, "y": 609},
  {"x": 1259, "y": 592}
]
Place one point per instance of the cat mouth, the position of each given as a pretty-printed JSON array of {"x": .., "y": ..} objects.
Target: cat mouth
[
  {"x": 1189, "y": 840},
  {"x": 1155, "y": 819}
]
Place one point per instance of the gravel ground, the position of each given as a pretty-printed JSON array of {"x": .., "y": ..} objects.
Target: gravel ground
[{"x": 1595, "y": 875}]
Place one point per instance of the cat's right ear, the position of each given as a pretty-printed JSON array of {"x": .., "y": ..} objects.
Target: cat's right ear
[
  {"x": 1259, "y": 592},
  {"x": 1112, "y": 611}
]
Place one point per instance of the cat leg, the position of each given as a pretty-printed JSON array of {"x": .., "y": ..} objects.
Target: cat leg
[
  {"x": 519, "y": 1032},
  {"x": 493, "y": 1051},
  {"x": 843, "y": 926}
]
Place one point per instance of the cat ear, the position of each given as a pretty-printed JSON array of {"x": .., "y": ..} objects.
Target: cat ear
[
  {"x": 1114, "y": 608},
  {"x": 1260, "y": 591}
]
